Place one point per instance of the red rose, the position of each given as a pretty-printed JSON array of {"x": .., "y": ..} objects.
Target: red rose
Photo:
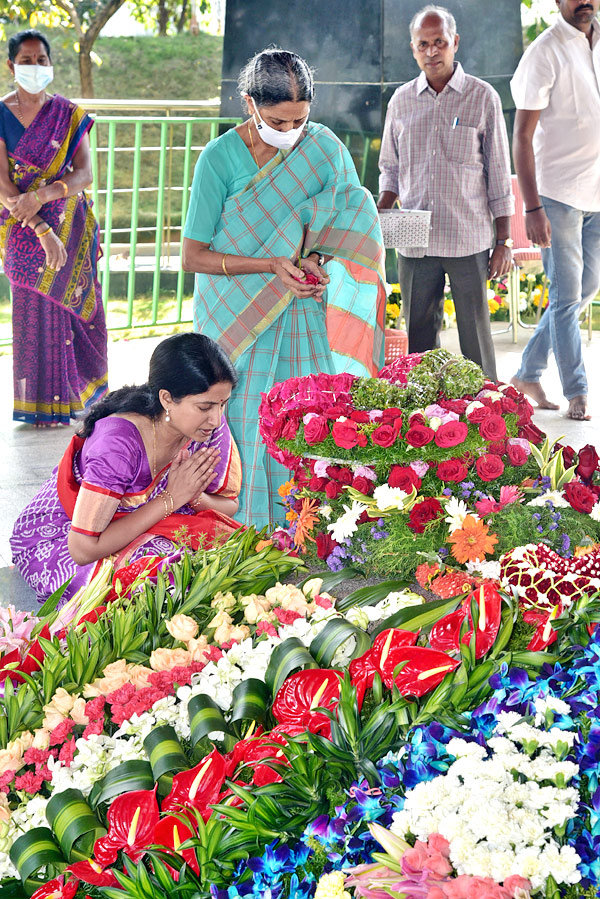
[
  {"x": 452, "y": 470},
  {"x": 391, "y": 416},
  {"x": 457, "y": 406},
  {"x": 423, "y": 512},
  {"x": 333, "y": 471},
  {"x": 580, "y": 497},
  {"x": 508, "y": 405},
  {"x": 345, "y": 434},
  {"x": 363, "y": 485},
  {"x": 516, "y": 454},
  {"x": 325, "y": 545},
  {"x": 384, "y": 435},
  {"x": 587, "y": 463},
  {"x": 417, "y": 419},
  {"x": 317, "y": 484},
  {"x": 419, "y": 435},
  {"x": 277, "y": 427},
  {"x": 497, "y": 447},
  {"x": 569, "y": 455},
  {"x": 362, "y": 440},
  {"x": 451, "y": 434},
  {"x": 345, "y": 476},
  {"x": 489, "y": 467},
  {"x": 316, "y": 430},
  {"x": 290, "y": 429},
  {"x": 493, "y": 427},
  {"x": 404, "y": 477},
  {"x": 360, "y": 416},
  {"x": 333, "y": 489},
  {"x": 479, "y": 414},
  {"x": 532, "y": 433}
]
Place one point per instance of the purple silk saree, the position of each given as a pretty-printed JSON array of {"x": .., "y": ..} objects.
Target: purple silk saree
[
  {"x": 106, "y": 476},
  {"x": 59, "y": 332}
]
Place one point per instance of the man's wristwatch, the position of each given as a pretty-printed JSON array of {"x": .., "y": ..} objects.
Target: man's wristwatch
[
  {"x": 505, "y": 242},
  {"x": 320, "y": 258}
]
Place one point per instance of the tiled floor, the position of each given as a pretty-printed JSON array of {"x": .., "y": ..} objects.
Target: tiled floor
[{"x": 27, "y": 456}]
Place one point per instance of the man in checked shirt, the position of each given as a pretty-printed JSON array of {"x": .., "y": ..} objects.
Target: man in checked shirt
[{"x": 445, "y": 148}]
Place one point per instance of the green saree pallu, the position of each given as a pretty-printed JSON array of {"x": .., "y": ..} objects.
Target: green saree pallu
[{"x": 305, "y": 199}]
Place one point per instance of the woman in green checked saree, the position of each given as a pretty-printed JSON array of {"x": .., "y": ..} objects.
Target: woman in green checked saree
[{"x": 289, "y": 258}]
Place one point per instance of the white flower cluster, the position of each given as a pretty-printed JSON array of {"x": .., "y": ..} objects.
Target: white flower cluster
[{"x": 499, "y": 812}]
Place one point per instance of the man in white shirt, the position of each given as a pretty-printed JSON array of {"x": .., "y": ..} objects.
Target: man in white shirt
[{"x": 556, "y": 149}]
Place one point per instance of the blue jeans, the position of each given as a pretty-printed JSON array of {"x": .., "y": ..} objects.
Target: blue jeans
[{"x": 572, "y": 265}]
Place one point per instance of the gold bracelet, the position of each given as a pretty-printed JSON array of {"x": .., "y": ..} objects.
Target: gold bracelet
[
  {"x": 169, "y": 503},
  {"x": 223, "y": 266},
  {"x": 65, "y": 186},
  {"x": 41, "y": 233}
]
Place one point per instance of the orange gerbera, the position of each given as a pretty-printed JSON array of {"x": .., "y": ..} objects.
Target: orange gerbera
[
  {"x": 285, "y": 489},
  {"x": 307, "y": 518},
  {"x": 472, "y": 540}
]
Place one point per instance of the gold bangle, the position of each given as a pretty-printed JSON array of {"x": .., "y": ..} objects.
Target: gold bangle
[
  {"x": 65, "y": 186},
  {"x": 223, "y": 266},
  {"x": 169, "y": 503},
  {"x": 41, "y": 233}
]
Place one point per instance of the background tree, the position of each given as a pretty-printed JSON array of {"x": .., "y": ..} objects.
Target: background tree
[
  {"x": 86, "y": 17},
  {"x": 167, "y": 16}
]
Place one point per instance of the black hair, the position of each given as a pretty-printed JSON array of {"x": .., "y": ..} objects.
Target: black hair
[
  {"x": 184, "y": 364},
  {"x": 15, "y": 41},
  {"x": 276, "y": 76}
]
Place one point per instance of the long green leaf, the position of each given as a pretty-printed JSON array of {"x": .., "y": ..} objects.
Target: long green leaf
[
  {"x": 286, "y": 658},
  {"x": 34, "y": 850},
  {"x": 415, "y": 618},
  {"x": 335, "y": 633},
  {"x": 205, "y": 717},
  {"x": 75, "y": 825},
  {"x": 251, "y": 701},
  {"x": 131, "y": 775},
  {"x": 165, "y": 751},
  {"x": 369, "y": 596}
]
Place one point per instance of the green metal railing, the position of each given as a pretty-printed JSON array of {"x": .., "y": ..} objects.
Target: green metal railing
[{"x": 142, "y": 167}]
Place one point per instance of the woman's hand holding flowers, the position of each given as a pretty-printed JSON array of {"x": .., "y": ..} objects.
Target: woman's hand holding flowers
[
  {"x": 294, "y": 277},
  {"x": 190, "y": 475},
  {"x": 56, "y": 254}
]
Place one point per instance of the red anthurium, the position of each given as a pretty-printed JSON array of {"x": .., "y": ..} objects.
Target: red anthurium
[
  {"x": 200, "y": 787},
  {"x": 171, "y": 832},
  {"x": 302, "y": 693},
  {"x": 57, "y": 889},
  {"x": 29, "y": 663},
  {"x": 91, "y": 871},
  {"x": 423, "y": 669},
  {"x": 264, "y": 749},
  {"x": 131, "y": 822},
  {"x": 364, "y": 669},
  {"x": 445, "y": 633},
  {"x": 545, "y": 633}
]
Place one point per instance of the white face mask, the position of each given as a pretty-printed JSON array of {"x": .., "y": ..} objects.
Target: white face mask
[
  {"x": 33, "y": 79},
  {"x": 283, "y": 140}
]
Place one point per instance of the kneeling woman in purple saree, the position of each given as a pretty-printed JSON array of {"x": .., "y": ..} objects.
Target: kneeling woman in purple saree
[
  {"x": 153, "y": 468},
  {"x": 49, "y": 242}
]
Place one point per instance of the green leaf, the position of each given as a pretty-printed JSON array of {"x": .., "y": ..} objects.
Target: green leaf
[
  {"x": 165, "y": 751},
  {"x": 251, "y": 701},
  {"x": 205, "y": 717},
  {"x": 335, "y": 633},
  {"x": 34, "y": 850},
  {"x": 369, "y": 596},
  {"x": 286, "y": 658},
  {"x": 415, "y": 618},
  {"x": 131, "y": 775},
  {"x": 53, "y": 600},
  {"x": 75, "y": 825}
]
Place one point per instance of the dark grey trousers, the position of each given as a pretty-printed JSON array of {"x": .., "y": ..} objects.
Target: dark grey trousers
[{"x": 422, "y": 289}]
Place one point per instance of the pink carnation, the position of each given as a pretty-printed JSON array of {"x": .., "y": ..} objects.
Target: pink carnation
[{"x": 31, "y": 783}]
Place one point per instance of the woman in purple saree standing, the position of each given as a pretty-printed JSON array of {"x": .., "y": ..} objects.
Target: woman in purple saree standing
[{"x": 49, "y": 243}]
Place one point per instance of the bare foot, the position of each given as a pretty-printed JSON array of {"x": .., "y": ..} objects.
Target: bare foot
[
  {"x": 535, "y": 390},
  {"x": 578, "y": 409}
]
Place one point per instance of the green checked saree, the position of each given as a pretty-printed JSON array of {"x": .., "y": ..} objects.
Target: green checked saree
[{"x": 308, "y": 198}]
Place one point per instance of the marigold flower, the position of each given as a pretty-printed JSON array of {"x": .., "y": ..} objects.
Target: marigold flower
[{"x": 472, "y": 541}]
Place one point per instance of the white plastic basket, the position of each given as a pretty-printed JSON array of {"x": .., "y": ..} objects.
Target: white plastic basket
[{"x": 405, "y": 227}]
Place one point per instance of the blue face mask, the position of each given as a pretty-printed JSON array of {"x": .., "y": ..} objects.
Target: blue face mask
[{"x": 33, "y": 79}]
